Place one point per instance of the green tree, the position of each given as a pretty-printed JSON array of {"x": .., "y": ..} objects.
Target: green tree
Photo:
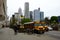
[
  {"x": 25, "y": 20},
  {"x": 54, "y": 19},
  {"x": 12, "y": 20},
  {"x": 47, "y": 21}
]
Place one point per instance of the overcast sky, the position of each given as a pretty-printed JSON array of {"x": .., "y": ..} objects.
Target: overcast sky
[{"x": 50, "y": 7}]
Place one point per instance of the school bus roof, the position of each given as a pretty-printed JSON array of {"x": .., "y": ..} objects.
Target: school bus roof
[{"x": 28, "y": 22}]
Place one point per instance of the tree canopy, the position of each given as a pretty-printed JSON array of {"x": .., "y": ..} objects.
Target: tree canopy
[
  {"x": 25, "y": 20},
  {"x": 47, "y": 21},
  {"x": 54, "y": 19},
  {"x": 13, "y": 20}
]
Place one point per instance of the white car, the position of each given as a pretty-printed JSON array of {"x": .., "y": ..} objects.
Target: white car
[{"x": 50, "y": 29}]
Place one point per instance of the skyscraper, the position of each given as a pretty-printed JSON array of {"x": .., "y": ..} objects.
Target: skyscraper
[
  {"x": 20, "y": 11},
  {"x": 27, "y": 15},
  {"x": 41, "y": 15},
  {"x": 36, "y": 14}
]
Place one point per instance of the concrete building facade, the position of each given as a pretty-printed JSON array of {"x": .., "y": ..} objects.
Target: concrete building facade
[
  {"x": 17, "y": 16},
  {"x": 3, "y": 11}
]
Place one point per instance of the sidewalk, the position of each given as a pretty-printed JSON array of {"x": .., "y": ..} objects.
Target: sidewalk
[{"x": 6, "y": 34}]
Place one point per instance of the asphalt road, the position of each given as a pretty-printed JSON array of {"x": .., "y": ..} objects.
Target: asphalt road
[
  {"x": 8, "y": 34},
  {"x": 55, "y": 34}
]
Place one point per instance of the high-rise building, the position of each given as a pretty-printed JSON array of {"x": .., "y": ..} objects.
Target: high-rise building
[
  {"x": 27, "y": 15},
  {"x": 3, "y": 11},
  {"x": 41, "y": 15},
  {"x": 20, "y": 11},
  {"x": 36, "y": 14}
]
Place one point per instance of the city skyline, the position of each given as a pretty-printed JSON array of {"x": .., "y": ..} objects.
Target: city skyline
[{"x": 50, "y": 8}]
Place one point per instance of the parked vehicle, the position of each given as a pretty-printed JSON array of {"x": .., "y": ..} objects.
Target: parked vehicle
[
  {"x": 46, "y": 28},
  {"x": 28, "y": 27},
  {"x": 39, "y": 28},
  {"x": 50, "y": 28}
]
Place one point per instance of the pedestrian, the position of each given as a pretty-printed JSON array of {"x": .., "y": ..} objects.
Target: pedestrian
[
  {"x": 2, "y": 26},
  {"x": 15, "y": 28},
  {"x": 18, "y": 28}
]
